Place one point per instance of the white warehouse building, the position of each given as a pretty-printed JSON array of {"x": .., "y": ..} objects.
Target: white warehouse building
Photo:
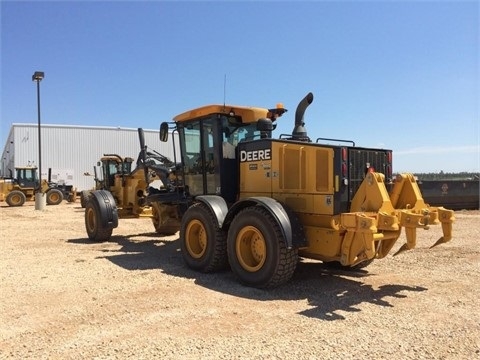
[{"x": 71, "y": 151}]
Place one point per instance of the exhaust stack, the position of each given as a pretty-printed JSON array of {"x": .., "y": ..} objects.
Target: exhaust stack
[
  {"x": 299, "y": 132},
  {"x": 142, "y": 157}
]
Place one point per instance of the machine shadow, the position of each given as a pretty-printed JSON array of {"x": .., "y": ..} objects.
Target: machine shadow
[
  {"x": 330, "y": 293},
  {"x": 154, "y": 253}
]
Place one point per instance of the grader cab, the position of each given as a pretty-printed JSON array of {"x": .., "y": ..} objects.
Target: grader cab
[
  {"x": 255, "y": 203},
  {"x": 111, "y": 166}
]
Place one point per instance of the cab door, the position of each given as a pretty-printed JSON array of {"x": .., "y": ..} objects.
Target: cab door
[{"x": 200, "y": 153}]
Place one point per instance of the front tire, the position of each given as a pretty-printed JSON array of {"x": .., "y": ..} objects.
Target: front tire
[
  {"x": 94, "y": 223},
  {"x": 257, "y": 250},
  {"x": 203, "y": 243}
]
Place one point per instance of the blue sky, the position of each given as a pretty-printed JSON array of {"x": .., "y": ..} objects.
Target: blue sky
[{"x": 402, "y": 75}]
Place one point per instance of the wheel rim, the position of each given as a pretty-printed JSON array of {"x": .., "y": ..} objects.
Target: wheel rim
[
  {"x": 54, "y": 197},
  {"x": 16, "y": 199},
  {"x": 91, "y": 220},
  {"x": 157, "y": 216},
  {"x": 251, "y": 248},
  {"x": 196, "y": 239}
]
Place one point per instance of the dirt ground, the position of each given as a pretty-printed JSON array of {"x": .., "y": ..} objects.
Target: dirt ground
[{"x": 64, "y": 297}]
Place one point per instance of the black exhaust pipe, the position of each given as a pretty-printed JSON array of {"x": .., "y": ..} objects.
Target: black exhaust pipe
[
  {"x": 299, "y": 132},
  {"x": 142, "y": 157}
]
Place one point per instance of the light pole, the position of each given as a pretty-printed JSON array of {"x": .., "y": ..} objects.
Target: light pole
[{"x": 39, "y": 197}]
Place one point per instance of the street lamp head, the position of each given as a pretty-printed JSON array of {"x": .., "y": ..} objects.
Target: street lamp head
[{"x": 38, "y": 76}]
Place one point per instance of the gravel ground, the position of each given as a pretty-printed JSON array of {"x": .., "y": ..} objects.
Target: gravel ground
[{"x": 64, "y": 297}]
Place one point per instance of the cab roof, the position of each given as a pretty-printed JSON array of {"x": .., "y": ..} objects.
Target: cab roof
[{"x": 247, "y": 113}]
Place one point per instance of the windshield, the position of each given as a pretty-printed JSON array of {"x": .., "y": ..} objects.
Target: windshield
[{"x": 234, "y": 132}]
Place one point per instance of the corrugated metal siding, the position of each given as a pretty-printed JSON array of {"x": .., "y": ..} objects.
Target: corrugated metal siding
[
  {"x": 7, "y": 155},
  {"x": 75, "y": 149}
]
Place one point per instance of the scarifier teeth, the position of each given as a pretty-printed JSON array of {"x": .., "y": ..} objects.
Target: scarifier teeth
[
  {"x": 402, "y": 249},
  {"x": 439, "y": 242}
]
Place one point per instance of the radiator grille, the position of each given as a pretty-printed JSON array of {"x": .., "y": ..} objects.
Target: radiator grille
[{"x": 359, "y": 161}]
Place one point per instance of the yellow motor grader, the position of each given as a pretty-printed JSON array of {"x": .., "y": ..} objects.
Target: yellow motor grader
[
  {"x": 257, "y": 203},
  {"x": 111, "y": 165},
  {"x": 123, "y": 192},
  {"x": 21, "y": 188}
]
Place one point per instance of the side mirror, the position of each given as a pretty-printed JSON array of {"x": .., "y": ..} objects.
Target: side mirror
[{"x": 164, "y": 132}]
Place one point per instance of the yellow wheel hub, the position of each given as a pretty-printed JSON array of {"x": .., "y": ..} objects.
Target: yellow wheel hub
[
  {"x": 91, "y": 220},
  {"x": 16, "y": 199},
  {"x": 196, "y": 239},
  {"x": 251, "y": 248}
]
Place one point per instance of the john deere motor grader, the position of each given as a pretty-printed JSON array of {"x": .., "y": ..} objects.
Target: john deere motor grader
[
  {"x": 121, "y": 192},
  {"x": 259, "y": 203},
  {"x": 16, "y": 190}
]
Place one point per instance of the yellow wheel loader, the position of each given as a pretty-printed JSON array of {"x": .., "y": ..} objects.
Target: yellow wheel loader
[
  {"x": 258, "y": 204},
  {"x": 21, "y": 188}
]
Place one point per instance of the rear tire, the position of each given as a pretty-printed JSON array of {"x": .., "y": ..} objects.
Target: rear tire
[
  {"x": 257, "y": 250},
  {"x": 203, "y": 243},
  {"x": 16, "y": 198},
  {"x": 54, "y": 197},
  {"x": 94, "y": 223}
]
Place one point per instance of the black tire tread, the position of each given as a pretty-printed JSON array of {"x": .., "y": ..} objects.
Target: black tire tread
[
  {"x": 84, "y": 196},
  {"x": 170, "y": 226},
  {"x": 101, "y": 233},
  {"x": 219, "y": 259},
  {"x": 14, "y": 193},
  {"x": 54, "y": 191},
  {"x": 288, "y": 258}
]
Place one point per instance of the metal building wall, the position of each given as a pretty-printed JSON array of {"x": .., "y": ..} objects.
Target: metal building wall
[
  {"x": 7, "y": 159},
  {"x": 71, "y": 151}
]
